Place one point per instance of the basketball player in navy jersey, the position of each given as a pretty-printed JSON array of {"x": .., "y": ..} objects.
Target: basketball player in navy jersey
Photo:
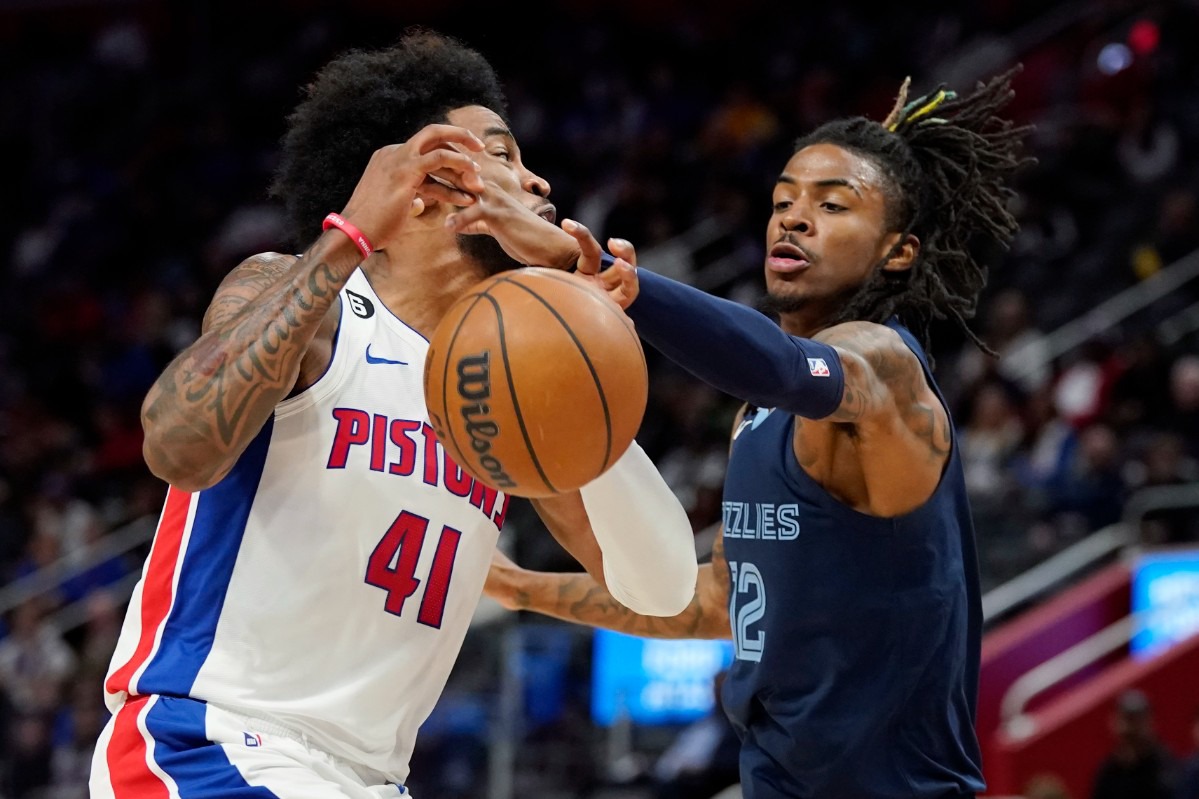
[
  {"x": 319, "y": 557},
  {"x": 846, "y": 572}
]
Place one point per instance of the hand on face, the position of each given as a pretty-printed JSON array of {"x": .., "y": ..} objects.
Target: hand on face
[
  {"x": 524, "y": 233},
  {"x": 618, "y": 280},
  {"x": 401, "y": 178}
]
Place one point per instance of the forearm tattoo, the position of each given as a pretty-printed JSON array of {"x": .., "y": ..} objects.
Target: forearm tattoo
[{"x": 579, "y": 598}]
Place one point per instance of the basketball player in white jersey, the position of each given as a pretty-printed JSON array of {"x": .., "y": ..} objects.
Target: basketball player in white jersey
[{"x": 319, "y": 557}]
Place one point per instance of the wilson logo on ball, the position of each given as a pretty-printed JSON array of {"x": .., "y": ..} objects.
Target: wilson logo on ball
[
  {"x": 474, "y": 387},
  {"x": 535, "y": 382}
]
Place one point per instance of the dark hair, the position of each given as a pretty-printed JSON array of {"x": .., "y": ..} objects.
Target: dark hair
[
  {"x": 364, "y": 100},
  {"x": 945, "y": 160}
]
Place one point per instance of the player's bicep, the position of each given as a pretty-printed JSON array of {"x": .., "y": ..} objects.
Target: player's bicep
[{"x": 245, "y": 283}]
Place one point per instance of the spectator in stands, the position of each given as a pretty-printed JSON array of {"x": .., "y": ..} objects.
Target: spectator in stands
[
  {"x": 74, "y": 740},
  {"x": 101, "y": 628},
  {"x": 1010, "y": 331},
  {"x": 1139, "y": 766},
  {"x": 988, "y": 441},
  {"x": 1047, "y": 452},
  {"x": 34, "y": 659},
  {"x": 60, "y": 512},
  {"x": 1091, "y": 491},
  {"x": 1081, "y": 391}
]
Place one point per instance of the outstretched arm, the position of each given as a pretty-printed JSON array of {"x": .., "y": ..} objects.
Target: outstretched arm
[
  {"x": 729, "y": 346},
  {"x": 581, "y": 599},
  {"x": 736, "y": 349},
  {"x": 860, "y": 375}
]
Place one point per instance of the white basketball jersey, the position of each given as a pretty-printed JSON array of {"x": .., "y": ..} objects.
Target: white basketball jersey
[{"x": 327, "y": 582}]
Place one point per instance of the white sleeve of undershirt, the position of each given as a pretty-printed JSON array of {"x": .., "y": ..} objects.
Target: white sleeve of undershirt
[{"x": 646, "y": 538}]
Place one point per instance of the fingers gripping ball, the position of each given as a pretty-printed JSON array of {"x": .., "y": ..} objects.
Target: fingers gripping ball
[{"x": 535, "y": 382}]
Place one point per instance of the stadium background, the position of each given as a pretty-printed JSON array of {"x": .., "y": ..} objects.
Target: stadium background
[{"x": 136, "y": 141}]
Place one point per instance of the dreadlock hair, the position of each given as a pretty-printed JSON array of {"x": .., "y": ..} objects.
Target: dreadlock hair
[
  {"x": 362, "y": 101},
  {"x": 944, "y": 180}
]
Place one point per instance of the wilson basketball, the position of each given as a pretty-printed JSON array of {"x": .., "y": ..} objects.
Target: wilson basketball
[{"x": 535, "y": 382}]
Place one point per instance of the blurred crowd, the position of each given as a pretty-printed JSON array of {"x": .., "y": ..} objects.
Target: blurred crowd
[{"x": 137, "y": 140}]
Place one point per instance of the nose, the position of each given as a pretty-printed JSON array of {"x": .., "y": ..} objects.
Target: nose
[
  {"x": 795, "y": 220},
  {"x": 535, "y": 184}
]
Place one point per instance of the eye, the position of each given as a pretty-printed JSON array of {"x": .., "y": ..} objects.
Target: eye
[
  {"x": 502, "y": 154},
  {"x": 832, "y": 207},
  {"x": 781, "y": 205}
]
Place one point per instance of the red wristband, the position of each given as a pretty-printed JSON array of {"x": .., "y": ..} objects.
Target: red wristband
[{"x": 360, "y": 241}]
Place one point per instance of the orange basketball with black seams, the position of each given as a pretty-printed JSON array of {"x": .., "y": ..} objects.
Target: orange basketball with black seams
[{"x": 535, "y": 382}]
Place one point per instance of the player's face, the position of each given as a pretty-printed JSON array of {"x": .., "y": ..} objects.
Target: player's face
[
  {"x": 501, "y": 166},
  {"x": 827, "y": 229}
]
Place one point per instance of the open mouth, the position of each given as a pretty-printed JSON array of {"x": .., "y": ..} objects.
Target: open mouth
[
  {"x": 785, "y": 249},
  {"x": 549, "y": 213},
  {"x": 786, "y": 257}
]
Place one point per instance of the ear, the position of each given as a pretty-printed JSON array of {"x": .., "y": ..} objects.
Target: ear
[{"x": 902, "y": 253}]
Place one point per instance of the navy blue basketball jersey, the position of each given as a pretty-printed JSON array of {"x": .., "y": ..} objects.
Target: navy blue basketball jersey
[{"x": 857, "y": 637}]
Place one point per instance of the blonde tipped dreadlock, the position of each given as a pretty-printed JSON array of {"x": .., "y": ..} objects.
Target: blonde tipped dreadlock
[
  {"x": 921, "y": 107},
  {"x": 946, "y": 182},
  {"x": 901, "y": 100}
]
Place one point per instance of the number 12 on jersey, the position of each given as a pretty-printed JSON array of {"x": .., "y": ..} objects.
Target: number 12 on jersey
[
  {"x": 747, "y": 605},
  {"x": 392, "y": 567}
]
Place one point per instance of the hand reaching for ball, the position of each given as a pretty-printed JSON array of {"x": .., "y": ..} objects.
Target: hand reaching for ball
[{"x": 618, "y": 281}]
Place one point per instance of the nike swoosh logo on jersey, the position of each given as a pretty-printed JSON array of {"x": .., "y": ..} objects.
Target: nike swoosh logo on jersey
[{"x": 372, "y": 359}]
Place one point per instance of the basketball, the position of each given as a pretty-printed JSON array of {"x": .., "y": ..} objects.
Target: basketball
[{"x": 535, "y": 382}]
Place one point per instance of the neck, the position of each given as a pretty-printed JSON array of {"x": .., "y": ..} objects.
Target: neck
[
  {"x": 806, "y": 323},
  {"x": 421, "y": 290},
  {"x": 807, "y": 316}
]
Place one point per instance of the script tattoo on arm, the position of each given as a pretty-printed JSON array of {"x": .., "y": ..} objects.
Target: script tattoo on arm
[{"x": 215, "y": 396}]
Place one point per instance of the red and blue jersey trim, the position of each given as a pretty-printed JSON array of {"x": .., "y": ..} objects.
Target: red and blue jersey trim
[
  {"x": 159, "y": 744},
  {"x": 187, "y": 576}
]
